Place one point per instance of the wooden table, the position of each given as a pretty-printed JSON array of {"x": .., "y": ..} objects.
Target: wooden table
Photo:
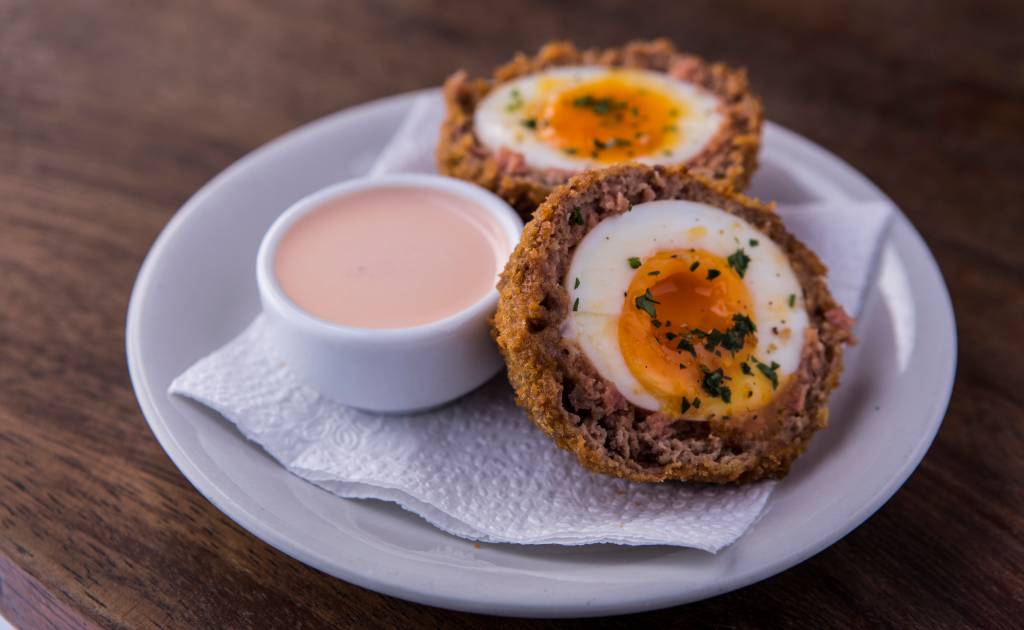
[{"x": 112, "y": 114}]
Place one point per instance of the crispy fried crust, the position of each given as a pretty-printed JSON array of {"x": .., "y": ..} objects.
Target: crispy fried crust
[
  {"x": 731, "y": 156},
  {"x": 563, "y": 394}
]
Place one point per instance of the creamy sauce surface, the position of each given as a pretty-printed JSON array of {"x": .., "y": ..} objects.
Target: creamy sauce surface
[{"x": 391, "y": 258}]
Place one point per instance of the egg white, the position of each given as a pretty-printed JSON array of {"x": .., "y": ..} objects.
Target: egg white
[
  {"x": 600, "y": 262},
  {"x": 497, "y": 125}
]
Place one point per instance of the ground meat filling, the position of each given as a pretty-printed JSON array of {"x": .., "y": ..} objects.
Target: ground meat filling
[{"x": 565, "y": 396}]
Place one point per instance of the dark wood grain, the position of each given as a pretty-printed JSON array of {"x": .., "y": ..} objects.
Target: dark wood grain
[{"x": 112, "y": 114}]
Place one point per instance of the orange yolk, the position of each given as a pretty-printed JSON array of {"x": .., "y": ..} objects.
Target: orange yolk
[
  {"x": 610, "y": 120},
  {"x": 674, "y": 304}
]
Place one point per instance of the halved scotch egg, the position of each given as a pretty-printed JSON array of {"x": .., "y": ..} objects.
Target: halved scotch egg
[
  {"x": 661, "y": 326},
  {"x": 542, "y": 120}
]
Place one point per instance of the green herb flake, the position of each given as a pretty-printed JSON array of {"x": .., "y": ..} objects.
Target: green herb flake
[
  {"x": 530, "y": 123},
  {"x": 670, "y": 336},
  {"x": 713, "y": 273},
  {"x": 743, "y": 323},
  {"x": 684, "y": 406},
  {"x": 646, "y": 303},
  {"x": 634, "y": 262},
  {"x": 576, "y": 284},
  {"x": 713, "y": 383},
  {"x": 653, "y": 273},
  {"x": 694, "y": 266},
  {"x": 600, "y": 106},
  {"x": 696, "y": 402},
  {"x": 569, "y": 151},
  {"x": 739, "y": 260},
  {"x": 576, "y": 217},
  {"x": 733, "y": 338},
  {"x": 745, "y": 368},
  {"x": 576, "y": 305},
  {"x": 770, "y": 372},
  {"x": 753, "y": 242},
  {"x": 792, "y": 300},
  {"x": 687, "y": 346},
  {"x": 515, "y": 100}
]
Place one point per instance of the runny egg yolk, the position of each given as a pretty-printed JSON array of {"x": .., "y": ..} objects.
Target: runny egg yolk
[
  {"x": 610, "y": 120},
  {"x": 686, "y": 335}
]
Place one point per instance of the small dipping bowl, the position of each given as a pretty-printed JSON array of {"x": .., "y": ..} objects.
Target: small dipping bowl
[{"x": 387, "y": 370}]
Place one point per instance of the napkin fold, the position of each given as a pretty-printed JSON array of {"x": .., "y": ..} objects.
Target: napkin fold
[{"x": 478, "y": 468}]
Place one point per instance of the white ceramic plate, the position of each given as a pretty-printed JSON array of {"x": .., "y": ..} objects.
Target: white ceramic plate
[{"x": 197, "y": 289}]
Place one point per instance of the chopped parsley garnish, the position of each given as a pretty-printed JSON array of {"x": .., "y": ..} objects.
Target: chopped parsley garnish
[
  {"x": 694, "y": 266},
  {"x": 576, "y": 305},
  {"x": 713, "y": 273},
  {"x": 739, "y": 260},
  {"x": 733, "y": 338},
  {"x": 714, "y": 384},
  {"x": 745, "y": 368},
  {"x": 600, "y": 106},
  {"x": 670, "y": 336},
  {"x": 576, "y": 217},
  {"x": 569, "y": 151},
  {"x": 743, "y": 323},
  {"x": 634, "y": 262},
  {"x": 753, "y": 242},
  {"x": 656, "y": 323},
  {"x": 515, "y": 100},
  {"x": 684, "y": 406},
  {"x": 530, "y": 123},
  {"x": 792, "y": 300},
  {"x": 576, "y": 284},
  {"x": 686, "y": 345},
  {"x": 696, "y": 402},
  {"x": 769, "y": 372},
  {"x": 714, "y": 338},
  {"x": 646, "y": 303},
  {"x": 653, "y": 273}
]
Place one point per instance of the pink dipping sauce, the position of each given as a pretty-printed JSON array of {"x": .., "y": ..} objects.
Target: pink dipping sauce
[{"x": 391, "y": 257}]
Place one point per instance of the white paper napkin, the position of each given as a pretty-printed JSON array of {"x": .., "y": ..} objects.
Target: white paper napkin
[{"x": 479, "y": 469}]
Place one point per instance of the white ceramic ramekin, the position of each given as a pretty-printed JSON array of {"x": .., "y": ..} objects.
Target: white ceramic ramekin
[{"x": 385, "y": 370}]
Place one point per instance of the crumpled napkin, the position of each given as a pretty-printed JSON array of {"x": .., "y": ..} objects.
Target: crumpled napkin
[{"x": 478, "y": 468}]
